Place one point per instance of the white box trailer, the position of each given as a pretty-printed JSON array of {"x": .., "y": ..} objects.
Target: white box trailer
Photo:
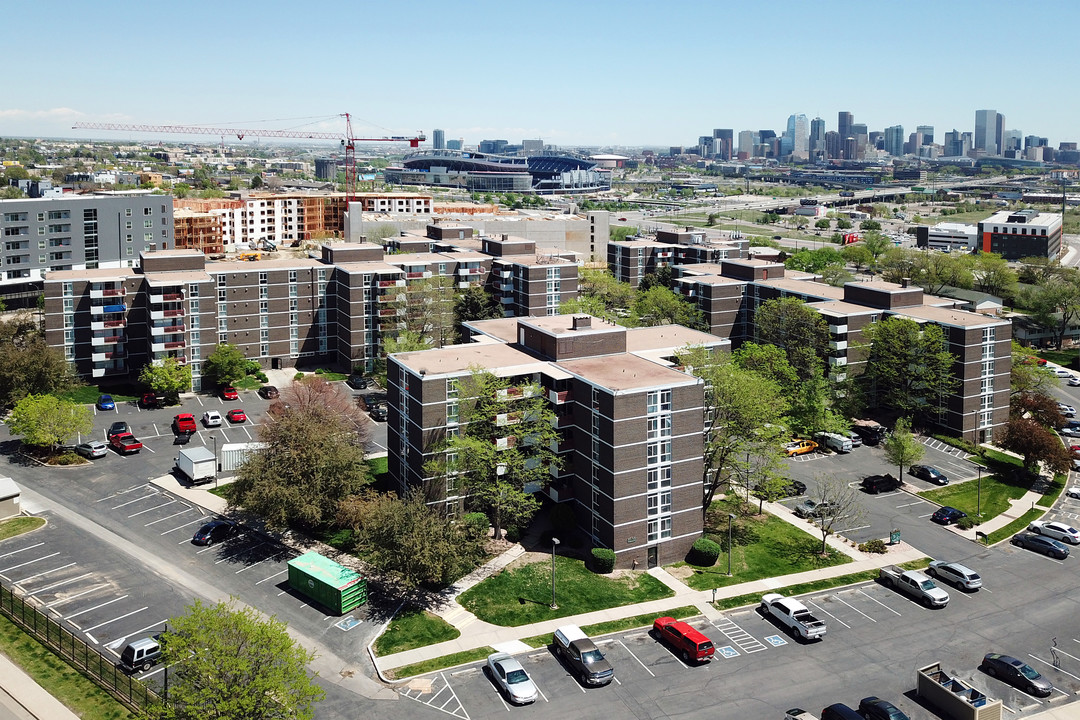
[
  {"x": 197, "y": 464},
  {"x": 233, "y": 455}
]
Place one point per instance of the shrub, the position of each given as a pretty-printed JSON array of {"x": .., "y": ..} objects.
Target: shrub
[
  {"x": 298, "y": 376},
  {"x": 261, "y": 377},
  {"x": 876, "y": 545},
  {"x": 513, "y": 534},
  {"x": 252, "y": 367},
  {"x": 966, "y": 523},
  {"x": 319, "y": 371},
  {"x": 603, "y": 560},
  {"x": 704, "y": 553},
  {"x": 562, "y": 518},
  {"x": 477, "y": 522},
  {"x": 960, "y": 443},
  {"x": 67, "y": 459}
]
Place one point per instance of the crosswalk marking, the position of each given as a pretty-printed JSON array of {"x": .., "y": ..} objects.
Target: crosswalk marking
[{"x": 744, "y": 640}]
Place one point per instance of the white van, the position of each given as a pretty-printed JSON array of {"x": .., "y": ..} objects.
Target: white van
[{"x": 836, "y": 443}]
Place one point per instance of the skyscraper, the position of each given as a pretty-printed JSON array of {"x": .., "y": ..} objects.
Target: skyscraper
[
  {"x": 862, "y": 137},
  {"x": 986, "y": 131},
  {"x": 724, "y": 138},
  {"x": 926, "y": 134},
  {"x": 817, "y": 138},
  {"x": 438, "y": 139},
  {"x": 844, "y": 121},
  {"x": 833, "y": 145},
  {"x": 798, "y": 132},
  {"x": 746, "y": 144},
  {"x": 999, "y": 133},
  {"x": 894, "y": 140}
]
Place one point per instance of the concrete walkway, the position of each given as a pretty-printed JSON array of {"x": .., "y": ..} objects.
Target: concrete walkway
[{"x": 27, "y": 698}]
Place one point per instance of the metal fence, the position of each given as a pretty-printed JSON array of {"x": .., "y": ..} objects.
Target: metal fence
[{"x": 129, "y": 691}]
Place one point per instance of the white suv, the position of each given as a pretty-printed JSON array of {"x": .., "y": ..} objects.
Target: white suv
[
  {"x": 1057, "y": 531},
  {"x": 211, "y": 418}
]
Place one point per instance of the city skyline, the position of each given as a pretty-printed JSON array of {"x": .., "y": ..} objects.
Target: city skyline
[{"x": 651, "y": 78}]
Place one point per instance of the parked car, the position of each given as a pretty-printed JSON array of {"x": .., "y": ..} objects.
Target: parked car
[
  {"x": 151, "y": 400},
  {"x": 870, "y": 434},
  {"x": 511, "y": 678},
  {"x": 379, "y": 414},
  {"x": 211, "y": 418},
  {"x": 955, "y": 574},
  {"x": 229, "y": 393},
  {"x": 581, "y": 654},
  {"x": 795, "y": 616},
  {"x": 125, "y": 443},
  {"x": 214, "y": 531},
  {"x": 1067, "y": 410},
  {"x": 947, "y": 515},
  {"x": 357, "y": 382},
  {"x": 929, "y": 473},
  {"x": 874, "y": 708},
  {"x": 92, "y": 449},
  {"x": 812, "y": 508},
  {"x": 370, "y": 401},
  {"x": 1056, "y": 530},
  {"x": 1073, "y": 492},
  {"x": 1016, "y": 673},
  {"x": 1069, "y": 431},
  {"x": 690, "y": 644},
  {"x": 236, "y": 416},
  {"x": 185, "y": 423},
  {"x": 1063, "y": 373},
  {"x": 1041, "y": 544},
  {"x": 117, "y": 428},
  {"x": 141, "y": 654},
  {"x": 914, "y": 584},
  {"x": 105, "y": 402},
  {"x": 875, "y": 484},
  {"x": 800, "y": 447},
  {"x": 856, "y": 439},
  {"x": 268, "y": 392},
  {"x": 1074, "y": 381}
]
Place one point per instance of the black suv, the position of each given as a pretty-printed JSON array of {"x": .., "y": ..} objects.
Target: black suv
[
  {"x": 870, "y": 434},
  {"x": 358, "y": 382},
  {"x": 269, "y": 392},
  {"x": 880, "y": 483}
]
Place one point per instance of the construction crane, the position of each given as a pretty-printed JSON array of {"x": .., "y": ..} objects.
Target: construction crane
[{"x": 348, "y": 142}]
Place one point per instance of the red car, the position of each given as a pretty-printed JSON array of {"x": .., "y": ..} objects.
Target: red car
[
  {"x": 690, "y": 644},
  {"x": 125, "y": 443},
  {"x": 229, "y": 393},
  {"x": 185, "y": 423},
  {"x": 236, "y": 416}
]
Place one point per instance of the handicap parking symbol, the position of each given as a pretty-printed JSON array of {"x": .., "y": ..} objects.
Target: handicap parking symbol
[
  {"x": 775, "y": 640},
  {"x": 348, "y": 623},
  {"x": 728, "y": 651}
]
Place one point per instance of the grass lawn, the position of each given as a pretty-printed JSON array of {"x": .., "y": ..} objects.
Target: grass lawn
[
  {"x": 965, "y": 496},
  {"x": 19, "y": 525},
  {"x": 413, "y": 628},
  {"x": 765, "y": 546},
  {"x": 1056, "y": 488},
  {"x": 64, "y": 682},
  {"x": 679, "y": 613},
  {"x": 330, "y": 376},
  {"x": 815, "y": 586},
  {"x": 523, "y": 595},
  {"x": 1000, "y": 457},
  {"x": 1065, "y": 358},
  {"x": 248, "y": 382},
  {"x": 440, "y": 663},
  {"x": 1014, "y": 527},
  {"x": 378, "y": 467},
  {"x": 88, "y": 395}
]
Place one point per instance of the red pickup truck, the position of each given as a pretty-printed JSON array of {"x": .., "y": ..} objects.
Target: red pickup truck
[
  {"x": 125, "y": 443},
  {"x": 684, "y": 639}
]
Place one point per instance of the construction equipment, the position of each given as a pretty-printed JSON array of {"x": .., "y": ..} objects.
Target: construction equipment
[
  {"x": 251, "y": 256},
  {"x": 348, "y": 142}
]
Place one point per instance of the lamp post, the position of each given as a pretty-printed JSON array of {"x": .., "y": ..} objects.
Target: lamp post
[
  {"x": 978, "y": 496},
  {"x": 214, "y": 438},
  {"x": 730, "y": 517},
  {"x": 554, "y": 544}
]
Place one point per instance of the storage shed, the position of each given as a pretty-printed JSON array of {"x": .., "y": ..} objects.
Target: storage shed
[
  {"x": 9, "y": 498},
  {"x": 325, "y": 581}
]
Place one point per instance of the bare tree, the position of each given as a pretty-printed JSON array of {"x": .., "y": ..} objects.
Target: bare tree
[{"x": 837, "y": 506}]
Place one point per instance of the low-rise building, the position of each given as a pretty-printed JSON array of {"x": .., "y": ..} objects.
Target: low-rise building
[{"x": 1020, "y": 234}]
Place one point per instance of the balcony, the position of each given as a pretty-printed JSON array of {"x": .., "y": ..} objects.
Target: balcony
[
  {"x": 559, "y": 397},
  {"x": 391, "y": 312},
  {"x": 103, "y": 371},
  {"x": 506, "y": 287},
  {"x": 505, "y": 274},
  {"x": 838, "y": 344},
  {"x": 391, "y": 283},
  {"x": 106, "y": 340},
  {"x": 561, "y": 446},
  {"x": 418, "y": 275},
  {"x": 837, "y": 361},
  {"x": 563, "y": 421},
  {"x": 470, "y": 271},
  {"x": 107, "y": 324},
  {"x": 167, "y": 329},
  {"x": 508, "y": 300},
  {"x": 838, "y": 329},
  {"x": 99, "y": 309},
  {"x": 505, "y": 443},
  {"x": 391, "y": 297},
  {"x": 103, "y": 356},
  {"x": 163, "y": 314},
  {"x": 164, "y": 346},
  {"x": 503, "y": 419},
  {"x": 157, "y": 297},
  {"x": 109, "y": 292},
  {"x": 514, "y": 393}
]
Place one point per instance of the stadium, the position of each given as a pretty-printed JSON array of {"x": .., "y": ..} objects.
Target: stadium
[{"x": 480, "y": 172}]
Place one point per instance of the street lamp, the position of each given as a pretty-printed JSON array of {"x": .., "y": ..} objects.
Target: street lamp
[
  {"x": 730, "y": 517},
  {"x": 978, "y": 495},
  {"x": 214, "y": 438},
  {"x": 554, "y": 544}
]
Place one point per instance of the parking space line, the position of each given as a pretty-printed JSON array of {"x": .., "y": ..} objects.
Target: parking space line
[
  {"x": 271, "y": 577},
  {"x": 541, "y": 692},
  {"x": 33, "y": 577},
  {"x": 1062, "y": 652},
  {"x": 28, "y": 562},
  {"x": 823, "y": 610},
  {"x": 247, "y": 433},
  {"x": 170, "y": 502},
  {"x": 840, "y": 599},
  {"x": 248, "y": 567},
  {"x": 91, "y": 609},
  {"x": 154, "y": 626},
  {"x": 882, "y": 496},
  {"x": 28, "y": 547},
  {"x": 917, "y": 502},
  {"x": 242, "y": 548},
  {"x": 880, "y": 603},
  {"x": 1056, "y": 667},
  {"x": 147, "y": 447},
  {"x": 73, "y": 597},
  {"x": 133, "y": 488},
  {"x": 107, "y": 622},
  {"x": 167, "y": 517},
  {"x": 851, "y": 529},
  {"x": 59, "y": 584},
  {"x": 181, "y": 527},
  {"x": 138, "y": 499},
  {"x": 636, "y": 658},
  {"x": 921, "y": 517}
]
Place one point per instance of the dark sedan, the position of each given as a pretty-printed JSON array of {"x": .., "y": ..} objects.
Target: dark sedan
[
  {"x": 117, "y": 428},
  {"x": 1041, "y": 544},
  {"x": 1017, "y": 673},
  {"x": 214, "y": 531},
  {"x": 948, "y": 515},
  {"x": 874, "y": 708},
  {"x": 929, "y": 473}
]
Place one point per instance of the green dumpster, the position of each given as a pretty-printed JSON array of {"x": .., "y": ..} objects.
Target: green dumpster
[{"x": 328, "y": 583}]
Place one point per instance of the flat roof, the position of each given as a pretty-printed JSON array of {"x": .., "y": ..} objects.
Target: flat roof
[
  {"x": 367, "y": 266},
  {"x": 499, "y": 359},
  {"x": 95, "y": 274},
  {"x": 564, "y": 324},
  {"x": 840, "y": 308},
  {"x": 502, "y": 329},
  {"x": 625, "y": 372},
  {"x": 950, "y": 316},
  {"x": 176, "y": 277},
  {"x": 276, "y": 264},
  {"x": 667, "y": 337},
  {"x": 804, "y": 287}
]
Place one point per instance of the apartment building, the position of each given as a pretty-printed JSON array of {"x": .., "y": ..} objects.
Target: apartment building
[
  {"x": 200, "y": 231},
  {"x": 632, "y": 260},
  {"x": 1020, "y": 234},
  {"x": 730, "y": 292},
  {"x": 630, "y": 422},
  {"x": 82, "y": 232},
  {"x": 530, "y": 281}
]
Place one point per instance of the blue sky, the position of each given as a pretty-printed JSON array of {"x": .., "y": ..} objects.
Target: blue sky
[{"x": 588, "y": 72}]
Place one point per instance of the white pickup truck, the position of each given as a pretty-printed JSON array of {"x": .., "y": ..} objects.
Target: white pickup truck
[
  {"x": 794, "y": 615},
  {"x": 915, "y": 584}
]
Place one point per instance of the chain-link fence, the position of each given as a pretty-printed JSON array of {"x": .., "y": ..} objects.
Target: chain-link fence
[{"x": 131, "y": 692}]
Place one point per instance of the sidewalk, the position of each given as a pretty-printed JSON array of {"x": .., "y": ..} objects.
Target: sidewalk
[{"x": 28, "y": 695}]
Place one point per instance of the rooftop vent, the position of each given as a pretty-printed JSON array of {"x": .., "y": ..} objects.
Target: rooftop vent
[{"x": 580, "y": 322}]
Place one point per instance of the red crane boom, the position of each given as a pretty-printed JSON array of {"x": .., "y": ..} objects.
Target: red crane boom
[{"x": 347, "y": 139}]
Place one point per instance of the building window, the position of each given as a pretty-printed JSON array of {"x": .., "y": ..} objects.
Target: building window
[
  {"x": 659, "y": 453},
  {"x": 659, "y": 401},
  {"x": 659, "y": 477},
  {"x": 452, "y": 412},
  {"x": 263, "y": 306},
  {"x": 147, "y": 211},
  {"x": 262, "y": 278},
  {"x": 659, "y": 427},
  {"x": 292, "y": 276},
  {"x": 221, "y": 295},
  {"x": 264, "y": 350},
  {"x": 989, "y": 335},
  {"x": 659, "y": 529},
  {"x": 69, "y": 289}
]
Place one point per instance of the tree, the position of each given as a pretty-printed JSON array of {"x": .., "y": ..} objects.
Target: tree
[
  {"x": 427, "y": 310},
  {"x": 181, "y": 190},
  {"x": 256, "y": 181},
  {"x": 166, "y": 377},
  {"x": 993, "y": 275},
  {"x": 869, "y": 225},
  {"x": 661, "y": 306},
  {"x": 822, "y": 224},
  {"x": 901, "y": 447},
  {"x": 28, "y": 366},
  {"x": 313, "y": 457},
  {"x": 1027, "y": 376},
  {"x": 801, "y": 330},
  {"x": 876, "y": 243},
  {"x": 1027, "y": 437},
  {"x": 45, "y": 421},
  {"x": 660, "y": 278},
  {"x": 742, "y": 418},
  {"x": 409, "y": 541},
  {"x": 814, "y": 261},
  {"x": 909, "y": 367},
  {"x": 475, "y": 303},
  {"x": 226, "y": 662},
  {"x": 841, "y": 503},
  {"x": 769, "y": 362},
  {"x": 11, "y": 192},
  {"x": 858, "y": 255},
  {"x": 1039, "y": 270},
  {"x": 1055, "y": 305},
  {"x": 811, "y": 408},
  {"x": 226, "y": 365},
  {"x": 504, "y": 447},
  {"x": 843, "y": 224}
]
